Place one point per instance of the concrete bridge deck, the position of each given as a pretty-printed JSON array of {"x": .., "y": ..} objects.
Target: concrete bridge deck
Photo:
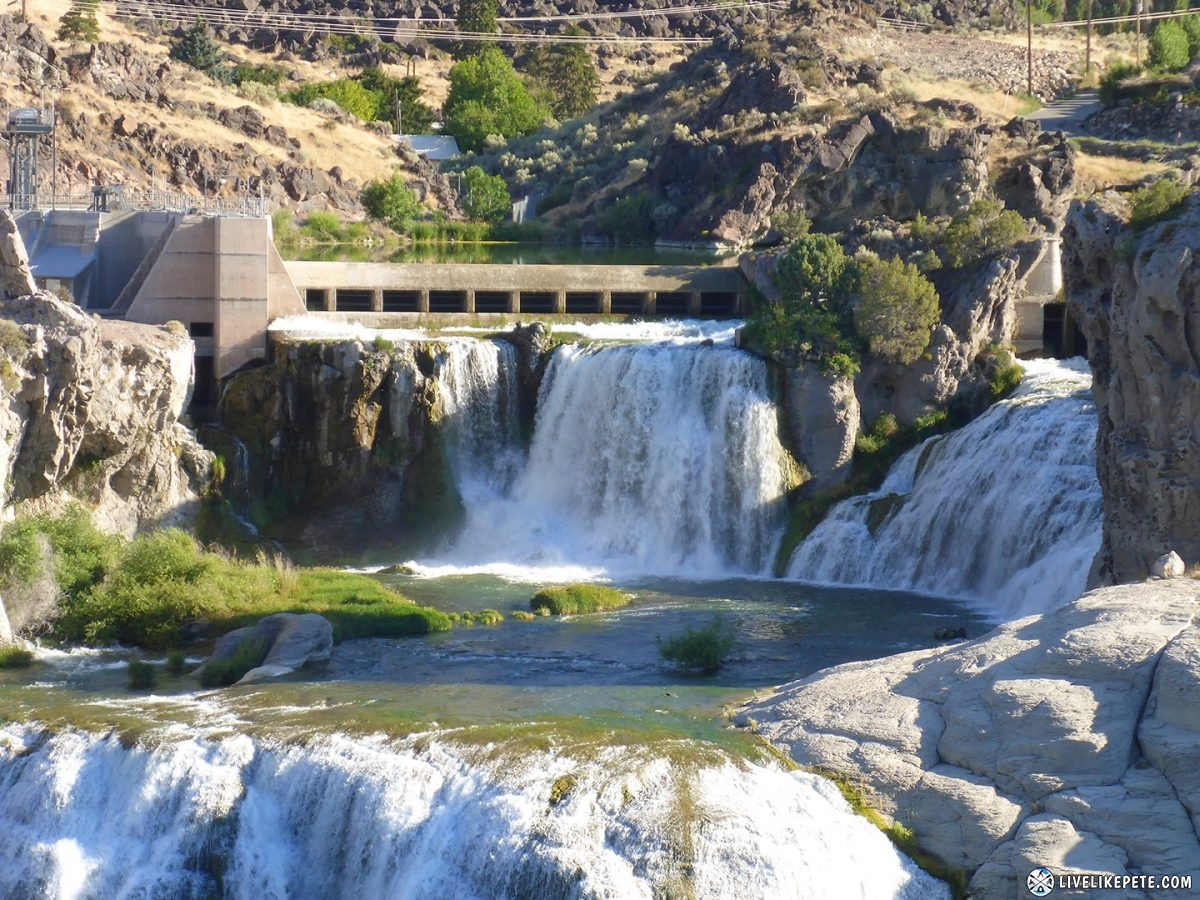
[{"x": 450, "y": 288}]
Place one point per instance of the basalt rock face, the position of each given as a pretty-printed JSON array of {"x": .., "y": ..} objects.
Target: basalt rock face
[
  {"x": 1066, "y": 740},
  {"x": 343, "y": 445},
  {"x": 1137, "y": 299},
  {"x": 90, "y": 410}
]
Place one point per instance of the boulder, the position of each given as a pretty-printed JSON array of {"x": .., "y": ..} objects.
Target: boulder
[
  {"x": 1024, "y": 747},
  {"x": 823, "y": 420},
  {"x": 1169, "y": 565},
  {"x": 16, "y": 279},
  {"x": 288, "y": 641}
]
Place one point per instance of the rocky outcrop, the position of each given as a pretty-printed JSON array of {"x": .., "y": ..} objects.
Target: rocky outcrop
[
  {"x": 823, "y": 419},
  {"x": 90, "y": 410},
  {"x": 1068, "y": 740},
  {"x": 1137, "y": 300},
  {"x": 284, "y": 642},
  {"x": 343, "y": 444}
]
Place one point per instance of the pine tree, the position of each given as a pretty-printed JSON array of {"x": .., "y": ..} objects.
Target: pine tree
[
  {"x": 198, "y": 49},
  {"x": 79, "y": 24},
  {"x": 566, "y": 76},
  {"x": 478, "y": 17}
]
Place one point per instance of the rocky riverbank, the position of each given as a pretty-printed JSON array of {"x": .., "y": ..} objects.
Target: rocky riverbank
[{"x": 1069, "y": 740}]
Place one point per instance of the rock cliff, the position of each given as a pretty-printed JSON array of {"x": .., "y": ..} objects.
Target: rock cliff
[
  {"x": 342, "y": 444},
  {"x": 90, "y": 409},
  {"x": 1137, "y": 299},
  {"x": 1069, "y": 740}
]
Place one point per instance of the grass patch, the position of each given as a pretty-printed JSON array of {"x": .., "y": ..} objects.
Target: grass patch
[
  {"x": 176, "y": 662},
  {"x": 574, "y": 599},
  {"x": 160, "y": 587},
  {"x": 704, "y": 648},
  {"x": 15, "y": 658}
]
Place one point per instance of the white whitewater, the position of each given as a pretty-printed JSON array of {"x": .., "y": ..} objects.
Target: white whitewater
[
  {"x": 660, "y": 458},
  {"x": 1006, "y": 510},
  {"x": 478, "y": 385},
  {"x": 88, "y": 816}
]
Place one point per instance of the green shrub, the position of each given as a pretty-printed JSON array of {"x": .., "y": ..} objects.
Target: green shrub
[
  {"x": 1191, "y": 27},
  {"x": 143, "y": 676},
  {"x": 487, "y": 196},
  {"x": 1169, "y": 48},
  {"x": 13, "y": 657},
  {"x": 248, "y": 654},
  {"x": 814, "y": 277},
  {"x": 323, "y": 227},
  {"x": 1001, "y": 369},
  {"x": 198, "y": 49},
  {"x": 488, "y": 97},
  {"x": 176, "y": 662},
  {"x": 897, "y": 309},
  {"x": 389, "y": 200},
  {"x": 704, "y": 648},
  {"x": 985, "y": 230},
  {"x": 78, "y": 24},
  {"x": 1113, "y": 78},
  {"x": 630, "y": 219},
  {"x": 1163, "y": 199},
  {"x": 81, "y": 553},
  {"x": 882, "y": 431},
  {"x": 259, "y": 73},
  {"x": 573, "y": 599}
]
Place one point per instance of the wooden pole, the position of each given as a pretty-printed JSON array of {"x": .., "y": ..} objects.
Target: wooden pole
[
  {"x": 1029, "y": 46},
  {"x": 1087, "y": 65},
  {"x": 1137, "y": 41}
]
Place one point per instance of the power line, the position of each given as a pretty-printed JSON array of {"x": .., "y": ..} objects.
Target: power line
[
  {"x": 409, "y": 28},
  {"x": 1116, "y": 20}
]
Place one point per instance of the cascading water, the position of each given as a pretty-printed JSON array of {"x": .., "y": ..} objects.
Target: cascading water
[
  {"x": 90, "y": 816},
  {"x": 658, "y": 458},
  {"x": 1006, "y": 510},
  {"x": 478, "y": 386}
]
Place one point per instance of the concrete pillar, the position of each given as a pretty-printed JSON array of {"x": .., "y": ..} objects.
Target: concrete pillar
[
  {"x": 694, "y": 304},
  {"x": 377, "y": 300},
  {"x": 560, "y": 302},
  {"x": 329, "y": 299},
  {"x": 469, "y": 302},
  {"x": 605, "y": 303},
  {"x": 423, "y": 300},
  {"x": 649, "y": 303},
  {"x": 514, "y": 301}
]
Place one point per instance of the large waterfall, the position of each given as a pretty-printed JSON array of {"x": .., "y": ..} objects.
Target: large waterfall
[
  {"x": 1006, "y": 510},
  {"x": 652, "y": 458},
  {"x": 89, "y": 816}
]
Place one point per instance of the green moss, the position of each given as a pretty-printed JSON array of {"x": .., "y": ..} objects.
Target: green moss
[
  {"x": 903, "y": 838},
  {"x": 561, "y": 788},
  {"x": 573, "y": 599},
  {"x": 15, "y": 658}
]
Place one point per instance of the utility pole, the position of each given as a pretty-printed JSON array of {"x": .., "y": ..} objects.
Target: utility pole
[
  {"x": 1029, "y": 47},
  {"x": 1137, "y": 43},
  {"x": 1087, "y": 65}
]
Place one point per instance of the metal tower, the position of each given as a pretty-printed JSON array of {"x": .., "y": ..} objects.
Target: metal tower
[{"x": 24, "y": 131}]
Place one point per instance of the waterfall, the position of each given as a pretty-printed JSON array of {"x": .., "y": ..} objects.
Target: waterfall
[
  {"x": 1006, "y": 510},
  {"x": 659, "y": 458},
  {"x": 90, "y": 816},
  {"x": 478, "y": 385}
]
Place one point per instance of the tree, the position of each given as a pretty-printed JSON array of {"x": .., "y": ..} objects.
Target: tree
[
  {"x": 415, "y": 116},
  {"x": 896, "y": 310},
  {"x": 79, "y": 24},
  {"x": 487, "y": 196},
  {"x": 488, "y": 97},
  {"x": 1169, "y": 47},
  {"x": 200, "y": 51},
  {"x": 565, "y": 75},
  {"x": 986, "y": 229},
  {"x": 475, "y": 17},
  {"x": 389, "y": 200}
]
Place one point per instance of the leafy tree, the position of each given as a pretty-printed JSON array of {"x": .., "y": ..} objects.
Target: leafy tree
[
  {"x": 1169, "y": 47},
  {"x": 476, "y": 17},
  {"x": 896, "y": 310},
  {"x": 565, "y": 75},
  {"x": 389, "y": 200},
  {"x": 79, "y": 24},
  {"x": 415, "y": 116},
  {"x": 487, "y": 196},
  {"x": 813, "y": 316},
  {"x": 986, "y": 229},
  {"x": 488, "y": 97},
  {"x": 1191, "y": 27},
  {"x": 198, "y": 49}
]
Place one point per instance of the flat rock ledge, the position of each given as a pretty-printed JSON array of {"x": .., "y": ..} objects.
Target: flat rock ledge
[{"x": 1069, "y": 740}]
